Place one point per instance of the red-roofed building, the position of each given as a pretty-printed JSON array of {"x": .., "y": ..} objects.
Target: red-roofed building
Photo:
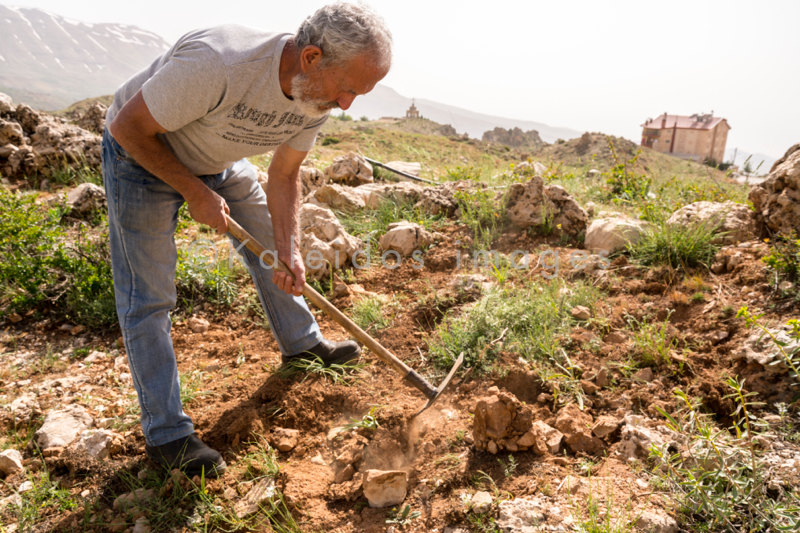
[{"x": 701, "y": 136}]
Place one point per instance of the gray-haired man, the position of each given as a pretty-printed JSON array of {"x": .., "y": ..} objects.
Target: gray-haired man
[{"x": 179, "y": 131}]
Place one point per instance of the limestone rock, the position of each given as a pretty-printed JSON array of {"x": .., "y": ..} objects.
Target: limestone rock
[
  {"x": 759, "y": 348},
  {"x": 86, "y": 197},
  {"x": 522, "y": 515},
  {"x": 542, "y": 439},
  {"x": 532, "y": 204},
  {"x": 351, "y": 169},
  {"x": 11, "y": 133},
  {"x": 576, "y": 427},
  {"x": 99, "y": 443},
  {"x": 261, "y": 492},
  {"x": 734, "y": 222},
  {"x": 656, "y": 522},
  {"x": 776, "y": 201},
  {"x": 441, "y": 200},
  {"x": 613, "y": 232},
  {"x": 322, "y": 231},
  {"x": 94, "y": 119},
  {"x": 62, "y": 427},
  {"x": 400, "y": 192},
  {"x": 385, "y": 488},
  {"x": 406, "y": 237},
  {"x": 481, "y": 502},
  {"x": 285, "y": 439},
  {"x": 513, "y": 137},
  {"x": 24, "y": 407},
  {"x": 311, "y": 179},
  {"x": 339, "y": 197},
  {"x": 6, "y": 104},
  {"x": 581, "y": 313},
  {"x": 639, "y": 434},
  {"x": 605, "y": 425},
  {"x": 197, "y": 325},
  {"x": 348, "y": 490},
  {"x": 10, "y": 460}
]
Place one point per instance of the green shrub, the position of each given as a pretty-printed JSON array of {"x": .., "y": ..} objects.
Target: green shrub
[
  {"x": 481, "y": 214},
  {"x": 330, "y": 140},
  {"x": 197, "y": 278},
  {"x": 39, "y": 265},
  {"x": 343, "y": 117},
  {"x": 784, "y": 256},
  {"x": 681, "y": 247}
]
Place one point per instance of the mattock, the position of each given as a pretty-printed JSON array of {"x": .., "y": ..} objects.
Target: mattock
[{"x": 409, "y": 374}]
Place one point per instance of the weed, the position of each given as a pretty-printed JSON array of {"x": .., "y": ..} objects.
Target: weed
[
  {"x": 590, "y": 519},
  {"x": 402, "y": 517},
  {"x": 369, "y": 421},
  {"x": 784, "y": 257},
  {"x": 510, "y": 467},
  {"x": 340, "y": 374},
  {"x": 728, "y": 311},
  {"x": 261, "y": 460},
  {"x": 626, "y": 186},
  {"x": 327, "y": 141},
  {"x": 481, "y": 214},
  {"x": 190, "y": 386},
  {"x": 198, "y": 277},
  {"x": 45, "y": 497},
  {"x": 718, "y": 482},
  {"x": 652, "y": 341},
  {"x": 681, "y": 247},
  {"x": 367, "y": 312},
  {"x": 698, "y": 297}
]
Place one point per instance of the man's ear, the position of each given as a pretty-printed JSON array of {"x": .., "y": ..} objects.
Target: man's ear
[{"x": 310, "y": 57}]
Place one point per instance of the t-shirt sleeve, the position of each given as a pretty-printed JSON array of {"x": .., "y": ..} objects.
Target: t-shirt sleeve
[
  {"x": 303, "y": 140},
  {"x": 189, "y": 86}
]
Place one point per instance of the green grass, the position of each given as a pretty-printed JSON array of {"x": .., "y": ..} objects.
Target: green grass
[
  {"x": 45, "y": 498},
  {"x": 368, "y": 313},
  {"x": 530, "y": 319},
  {"x": 651, "y": 341},
  {"x": 340, "y": 374},
  {"x": 680, "y": 247},
  {"x": 191, "y": 386},
  {"x": 199, "y": 278}
]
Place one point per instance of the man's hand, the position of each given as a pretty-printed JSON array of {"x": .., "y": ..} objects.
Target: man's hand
[
  {"x": 209, "y": 208},
  {"x": 295, "y": 263}
]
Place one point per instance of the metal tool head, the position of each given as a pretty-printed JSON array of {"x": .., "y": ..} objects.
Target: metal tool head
[{"x": 443, "y": 385}]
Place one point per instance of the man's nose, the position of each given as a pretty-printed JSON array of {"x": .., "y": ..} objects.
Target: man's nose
[{"x": 345, "y": 101}]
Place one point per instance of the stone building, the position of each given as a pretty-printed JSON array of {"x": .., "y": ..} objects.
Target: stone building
[
  {"x": 701, "y": 137},
  {"x": 412, "y": 111}
]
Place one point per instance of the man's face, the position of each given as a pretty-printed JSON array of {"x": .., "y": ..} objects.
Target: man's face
[{"x": 318, "y": 90}]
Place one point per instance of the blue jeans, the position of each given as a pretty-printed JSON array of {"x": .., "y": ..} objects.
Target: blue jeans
[{"x": 142, "y": 218}]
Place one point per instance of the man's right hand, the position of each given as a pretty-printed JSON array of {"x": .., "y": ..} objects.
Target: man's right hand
[{"x": 209, "y": 208}]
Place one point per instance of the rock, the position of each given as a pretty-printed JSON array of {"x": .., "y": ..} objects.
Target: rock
[
  {"x": 470, "y": 282},
  {"x": 581, "y": 313},
  {"x": 385, "y": 488},
  {"x": 406, "y": 237},
  {"x": 322, "y": 232},
  {"x": 311, "y": 179},
  {"x": 514, "y": 137},
  {"x": 588, "y": 387},
  {"x": 99, "y": 444},
  {"x": 351, "y": 169},
  {"x": 94, "y": 119},
  {"x": 481, "y": 502},
  {"x": 735, "y": 222},
  {"x": 615, "y": 337},
  {"x": 93, "y": 357},
  {"x": 522, "y": 515},
  {"x": 142, "y": 526},
  {"x": 576, "y": 427},
  {"x": 285, "y": 439},
  {"x": 10, "y": 460},
  {"x": 15, "y": 318},
  {"x": 541, "y": 438},
  {"x": 601, "y": 379},
  {"x": 656, "y": 522},
  {"x": 136, "y": 499},
  {"x": 197, "y": 325},
  {"x": 345, "y": 474},
  {"x": 614, "y": 232},
  {"x": 77, "y": 330},
  {"x": 25, "y": 486},
  {"x": 11, "y": 133},
  {"x": 776, "y": 201},
  {"x": 637, "y": 437},
  {"x": 401, "y": 192},
  {"x": 645, "y": 374},
  {"x": 62, "y": 427},
  {"x": 441, "y": 200},
  {"x": 6, "y": 104},
  {"x": 261, "y": 492},
  {"x": 412, "y": 168},
  {"x": 339, "y": 197},
  {"x": 349, "y": 490},
  {"x": 605, "y": 425},
  {"x": 532, "y": 204},
  {"x": 491, "y": 421},
  {"x": 760, "y": 349}
]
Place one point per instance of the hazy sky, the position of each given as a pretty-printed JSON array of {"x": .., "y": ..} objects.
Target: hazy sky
[{"x": 589, "y": 65}]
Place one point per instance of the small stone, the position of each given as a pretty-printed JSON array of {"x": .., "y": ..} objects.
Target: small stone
[
  {"x": 481, "y": 502},
  {"x": 197, "y": 325},
  {"x": 615, "y": 337},
  {"x": 14, "y": 317},
  {"x": 263, "y": 490},
  {"x": 94, "y": 356},
  {"x": 61, "y": 427},
  {"x": 77, "y": 330},
  {"x": 581, "y": 313},
  {"x": 588, "y": 387},
  {"x": 544, "y": 398},
  {"x": 656, "y": 522},
  {"x": 340, "y": 289},
  {"x": 85, "y": 494},
  {"x": 345, "y": 474},
  {"x": 385, "y": 488},
  {"x": 25, "y": 486},
  {"x": 10, "y": 462},
  {"x": 605, "y": 425},
  {"x": 645, "y": 374},
  {"x": 230, "y": 494},
  {"x": 285, "y": 439},
  {"x": 601, "y": 379}
]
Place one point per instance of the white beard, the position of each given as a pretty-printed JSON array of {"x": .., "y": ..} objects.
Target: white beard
[{"x": 302, "y": 86}]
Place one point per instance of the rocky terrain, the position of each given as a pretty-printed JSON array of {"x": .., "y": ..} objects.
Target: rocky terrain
[{"x": 593, "y": 376}]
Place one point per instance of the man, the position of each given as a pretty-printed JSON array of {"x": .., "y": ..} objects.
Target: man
[{"x": 179, "y": 131}]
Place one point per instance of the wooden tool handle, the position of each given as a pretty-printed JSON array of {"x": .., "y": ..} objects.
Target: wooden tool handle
[{"x": 240, "y": 234}]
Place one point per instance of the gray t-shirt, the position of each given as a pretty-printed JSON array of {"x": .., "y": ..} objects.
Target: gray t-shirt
[{"x": 218, "y": 92}]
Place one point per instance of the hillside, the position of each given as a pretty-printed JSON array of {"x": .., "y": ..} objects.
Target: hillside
[{"x": 49, "y": 61}]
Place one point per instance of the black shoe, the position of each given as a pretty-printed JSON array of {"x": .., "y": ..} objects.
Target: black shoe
[
  {"x": 331, "y": 353},
  {"x": 190, "y": 455}
]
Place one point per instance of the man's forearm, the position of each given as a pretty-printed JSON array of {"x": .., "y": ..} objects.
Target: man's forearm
[{"x": 283, "y": 201}]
